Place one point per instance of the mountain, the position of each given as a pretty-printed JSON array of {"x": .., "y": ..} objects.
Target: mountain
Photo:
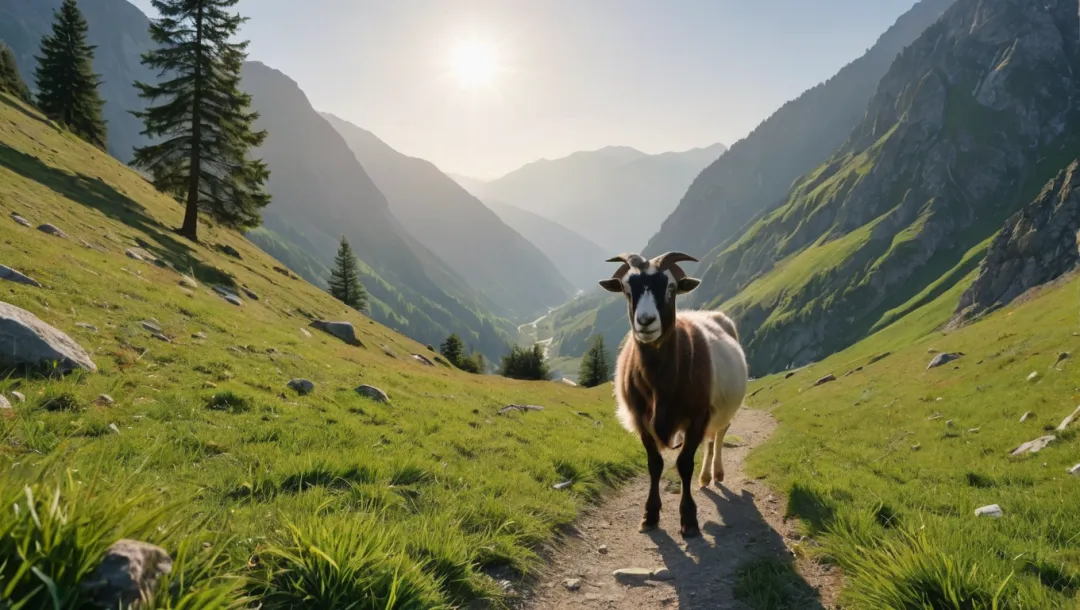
[
  {"x": 615, "y": 196},
  {"x": 320, "y": 191},
  {"x": 473, "y": 185},
  {"x": 759, "y": 169},
  {"x": 580, "y": 260},
  {"x": 121, "y": 33},
  {"x": 494, "y": 259},
  {"x": 966, "y": 127}
]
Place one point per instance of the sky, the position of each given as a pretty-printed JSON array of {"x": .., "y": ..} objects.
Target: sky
[{"x": 569, "y": 74}]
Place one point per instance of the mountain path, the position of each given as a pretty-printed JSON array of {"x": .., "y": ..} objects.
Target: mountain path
[{"x": 740, "y": 521}]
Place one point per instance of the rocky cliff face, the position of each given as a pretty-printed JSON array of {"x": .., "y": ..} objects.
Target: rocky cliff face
[
  {"x": 1037, "y": 245},
  {"x": 965, "y": 127}
]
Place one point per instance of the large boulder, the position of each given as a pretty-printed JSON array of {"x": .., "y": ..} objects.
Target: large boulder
[
  {"x": 128, "y": 574},
  {"x": 27, "y": 342},
  {"x": 341, "y": 330},
  {"x": 12, "y": 275},
  {"x": 373, "y": 393}
]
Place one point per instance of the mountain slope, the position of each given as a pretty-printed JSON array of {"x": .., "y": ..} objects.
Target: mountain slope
[
  {"x": 494, "y": 259},
  {"x": 580, "y": 260},
  {"x": 968, "y": 124},
  {"x": 121, "y": 33},
  {"x": 615, "y": 196},
  {"x": 320, "y": 192},
  {"x": 759, "y": 169}
]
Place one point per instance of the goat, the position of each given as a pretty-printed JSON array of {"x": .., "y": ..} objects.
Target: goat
[{"x": 683, "y": 372}]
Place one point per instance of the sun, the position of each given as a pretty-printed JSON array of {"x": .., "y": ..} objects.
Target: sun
[{"x": 475, "y": 63}]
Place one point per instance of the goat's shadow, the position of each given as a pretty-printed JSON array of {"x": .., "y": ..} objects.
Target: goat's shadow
[{"x": 742, "y": 536}]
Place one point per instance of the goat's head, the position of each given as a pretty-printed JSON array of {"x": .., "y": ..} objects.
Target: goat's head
[{"x": 650, "y": 287}]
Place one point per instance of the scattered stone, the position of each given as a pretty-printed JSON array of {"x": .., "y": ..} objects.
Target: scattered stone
[
  {"x": 1062, "y": 357},
  {"x": 228, "y": 250},
  {"x": 140, "y": 255},
  {"x": 878, "y": 358},
  {"x": 305, "y": 332},
  {"x": 12, "y": 275},
  {"x": 302, "y": 386},
  {"x": 161, "y": 337},
  {"x": 916, "y": 447},
  {"x": 992, "y": 510},
  {"x": 18, "y": 396},
  {"x": 572, "y": 584},
  {"x": 128, "y": 574},
  {"x": 19, "y": 219},
  {"x": 973, "y": 430},
  {"x": 1034, "y": 376},
  {"x": 373, "y": 393},
  {"x": 949, "y": 423},
  {"x": 935, "y": 416},
  {"x": 26, "y": 341},
  {"x": 209, "y": 385},
  {"x": 1065, "y": 423},
  {"x": 1075, "y": 470},
  {"x": 562, "y": 485},
  {"x": 1034, "y": 446},
  {"x": 632, "y": 576},
  {"x": 52, "y": 230},
  {"x": 522, "y": 408},
  {"x": 198, "y": 335},
  {"x": 341, "y": 330},
  {"x": 89, "y": 327},
  {"x": 663, "y": 575},
  {"x": 386, "y": 350},
  {"x": 847, "y": 374},
  {"x": 188, "y": 282},
  {"x": 603, "y": 550},
  {"x": 282, "y": 271},
  {"x": 249, "y": 293},
  {"x": 789, "y": 375},
  {"x": 228, "y": 295},
  {"x": 826, "y": 379},
  {"x": 931, "y": 351},
  {"x": 1026, "y": 416},
  {"x": 114, "y": 428},
  {"x": 943, "y": 359},
  {"x": 422, "y": 360},
  {"x": 104, "y": 400},
  {"x": 151, "y": 325},
  {"x": 4, "y": 404}
]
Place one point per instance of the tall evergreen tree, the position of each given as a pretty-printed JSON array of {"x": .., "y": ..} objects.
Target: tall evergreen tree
[
  {"x": 526, "y": 363},
  {"x": 10, "y": 80},
  {"x": 204, "y": 119},
  {"x": 67, "y": 88},
  {"x": 595, "y": 366},
  {"x": 344, "y": 281},
  {"x": 453, "y": 350}
]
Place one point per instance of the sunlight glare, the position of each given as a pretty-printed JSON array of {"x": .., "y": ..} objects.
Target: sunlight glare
[{"x": 475, "y": 63}]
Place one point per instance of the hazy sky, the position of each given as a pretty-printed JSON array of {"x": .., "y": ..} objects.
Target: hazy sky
[{"x": 576, "y": 74}]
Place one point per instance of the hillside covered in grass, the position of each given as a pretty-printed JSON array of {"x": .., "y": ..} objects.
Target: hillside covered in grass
[{"x": 257, "y": 492}]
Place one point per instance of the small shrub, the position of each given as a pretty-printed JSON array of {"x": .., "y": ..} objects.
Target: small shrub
[
  {"x": 228, "y": 401},
  {"x": 62, "y": 401}
]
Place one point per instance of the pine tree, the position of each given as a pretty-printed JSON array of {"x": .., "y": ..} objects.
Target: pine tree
[
  {"x": 204, "y": 119},
  {"x": 453, "y": 350},
  {"x": 67, "y": 88},
  {"x": 595, "y": 367},
  {"x": 344, "y": 281},
  {"x": 526, "y": 363},
  {"x": 10, "y": 79}
]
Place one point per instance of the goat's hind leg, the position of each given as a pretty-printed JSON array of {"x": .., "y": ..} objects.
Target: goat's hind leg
[
  {"x": 651, "y": 517},
  {"x": 717, "y": 460},
  {"x": 707, "y": 461},
  {"x": 687, "y": 508}
]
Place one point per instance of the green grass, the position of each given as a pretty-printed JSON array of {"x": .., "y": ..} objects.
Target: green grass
[
  {"x": 772, "y": 584},
  {"x": 890, "y": 494},
  {"x": 295, "y": 501}
]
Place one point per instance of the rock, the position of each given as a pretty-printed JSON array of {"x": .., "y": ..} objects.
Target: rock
[
  {"x": 228, "y": 295},
  {"x": 89, "y": 327},
  {"x": 943, "y": 359},
  {"x": 572, "y": 584},
  {"x": 603, "y": 550},
  {"x": 302, "y": 386},
  {"x": 916, "y": 447},
  {"x": 26, "y": 341},
  {"x": 1075, "y": 470},
  {"x": 140, "y": 255},
  {"x": 1026, "y": 416},
  {"x": 151, "y": 325},
  {"x": 663, "y": 575},
  {"x": 1034, "y": 446},
  {"x": 249, "y": 293},
  {"x": 789, "y": 375},
  {"x": 949, "y": 423},
  {"x": 373, "y": 393},
  {"x": 228, "y": 250},
  {"x": 104, "y": 400},
  {"x": 188, "y": 282},
  {"x": 1065, "y": 423},
  {"x": 52, "y": 230},
  {"x": 12, "y": 275},
  {"x": 973, "y": 430},
  {"x": 19, "y": 219},
  {"x": 562, "y": 485},
  {"x": 632, "y": 576},
  {"x": 4, "y": 404},
  {"x": 1034, "y": 376},
  {"x": 1062, "y": 357},
  {"x": 931, "y": 351},
  {"x": 209, "y": 385},
  {"x": 826, "y": 379},
  {"x": 114, "y": 428},
  {"x": 161, "y": 337},
  {"x": 128, "y": 574},
  {"x": 522, "y": 408},
  {"x": 991, "y": 510},
  {"x": 198, "y": 335},
  {"x": 282, "y": 271},
  {"x": 935, "y": 416},
  {"x": 305, "y": 332},
  {"x": 423, "y": 360},
  {"x": 341, "y": 330},
  {"x": 386, "y": 350},
  {"x": 18, "y": 396}
]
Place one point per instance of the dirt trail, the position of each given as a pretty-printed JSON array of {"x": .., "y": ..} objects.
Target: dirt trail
[{"x": 741, "y": 521}]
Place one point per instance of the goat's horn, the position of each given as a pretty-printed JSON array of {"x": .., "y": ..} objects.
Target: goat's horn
[
  {"x": 626, "y": 258},
  {"x": 669, "y": 261}
]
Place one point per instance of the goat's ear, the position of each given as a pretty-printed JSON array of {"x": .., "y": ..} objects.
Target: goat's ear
[
  {"x": 687, "y": 284},
  {"x": 612, "y": 285}
]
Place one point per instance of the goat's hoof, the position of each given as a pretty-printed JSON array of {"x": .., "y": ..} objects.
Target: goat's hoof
[
  {"x": 719, "y": 478},
  {"x": 648, "y": 525},
  {"x": 689, "y": 531},
  {"x": 704, "y": 483}
]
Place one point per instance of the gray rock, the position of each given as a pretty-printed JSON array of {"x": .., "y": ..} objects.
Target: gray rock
[
  {"x": 1034, "y": 446},
  {"x": 305, "y": 332},
  {"x": 161, "y": 337},
  {"x": 114, "y": 428},
  {"x": 826, "y": 379},
  {"x": 943, "y": 359},
  {"x": 128, "y": 574},
  {"x": 663, "y": 575},
  {"x": 4, "y": 404},
  {"x": 26, "y": 341},
  {"x": 572, "y": 584},
  {"x": 228, "y": 295},
  {"x": 632, "y": 576},
  {"x": 199, "y": 335},
  {"x": 139, "y": 254},
  {"x": 188, "y": 282},
  {"x": 89, "y": 327},
  {"x": 104, "y": 400},
  {"x": 991, "y": 510},
  {"x": 12, "y": 275},
  {"x": 52, "y": 230},
  {"x": 1065, "y": 423},
  {"x": 341, "y": 330},
  {"x": 302, "y": 386},
  {"x": 1026, "y": 416},
  {"x": 373, "y": 393},
  {"x": 562, "y": 485},
  {"x": 1034, "y": 376},
  {"x": 1075, "y": 470},
  {"x": 18, "y": 396},
  {"x": 249, "y": 293},
  {"x": 228, "y": 250},
  {"x": 603, "y": 550},
  {"x": 422, "y": 360},
  {"x": 19, "y": 219},
  {"x": 151, "y": 325}
]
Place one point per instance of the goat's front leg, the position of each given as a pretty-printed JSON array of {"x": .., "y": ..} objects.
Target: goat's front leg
[
  {"x": 656, "y": 468},
  {"x": 688, "y": 523}
]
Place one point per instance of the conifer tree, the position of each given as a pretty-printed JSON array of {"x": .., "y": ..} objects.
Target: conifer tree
[
  {"x": 453, "y": 350},
  {"x": 67, "y": 88},
  {"x": 344, "y": 281},
  {"x": 595, "y": 366},
  {"x": 203, "y": 121},
  {"x": 10, "y": 80}
]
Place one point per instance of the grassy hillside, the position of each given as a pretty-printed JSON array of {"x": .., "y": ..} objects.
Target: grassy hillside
[
  {"x": 410, "y": 504},
  {"x": 886, "y": 466}
]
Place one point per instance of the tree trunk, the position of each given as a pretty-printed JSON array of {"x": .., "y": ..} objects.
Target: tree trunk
[{"x": 190, "y": 229}]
